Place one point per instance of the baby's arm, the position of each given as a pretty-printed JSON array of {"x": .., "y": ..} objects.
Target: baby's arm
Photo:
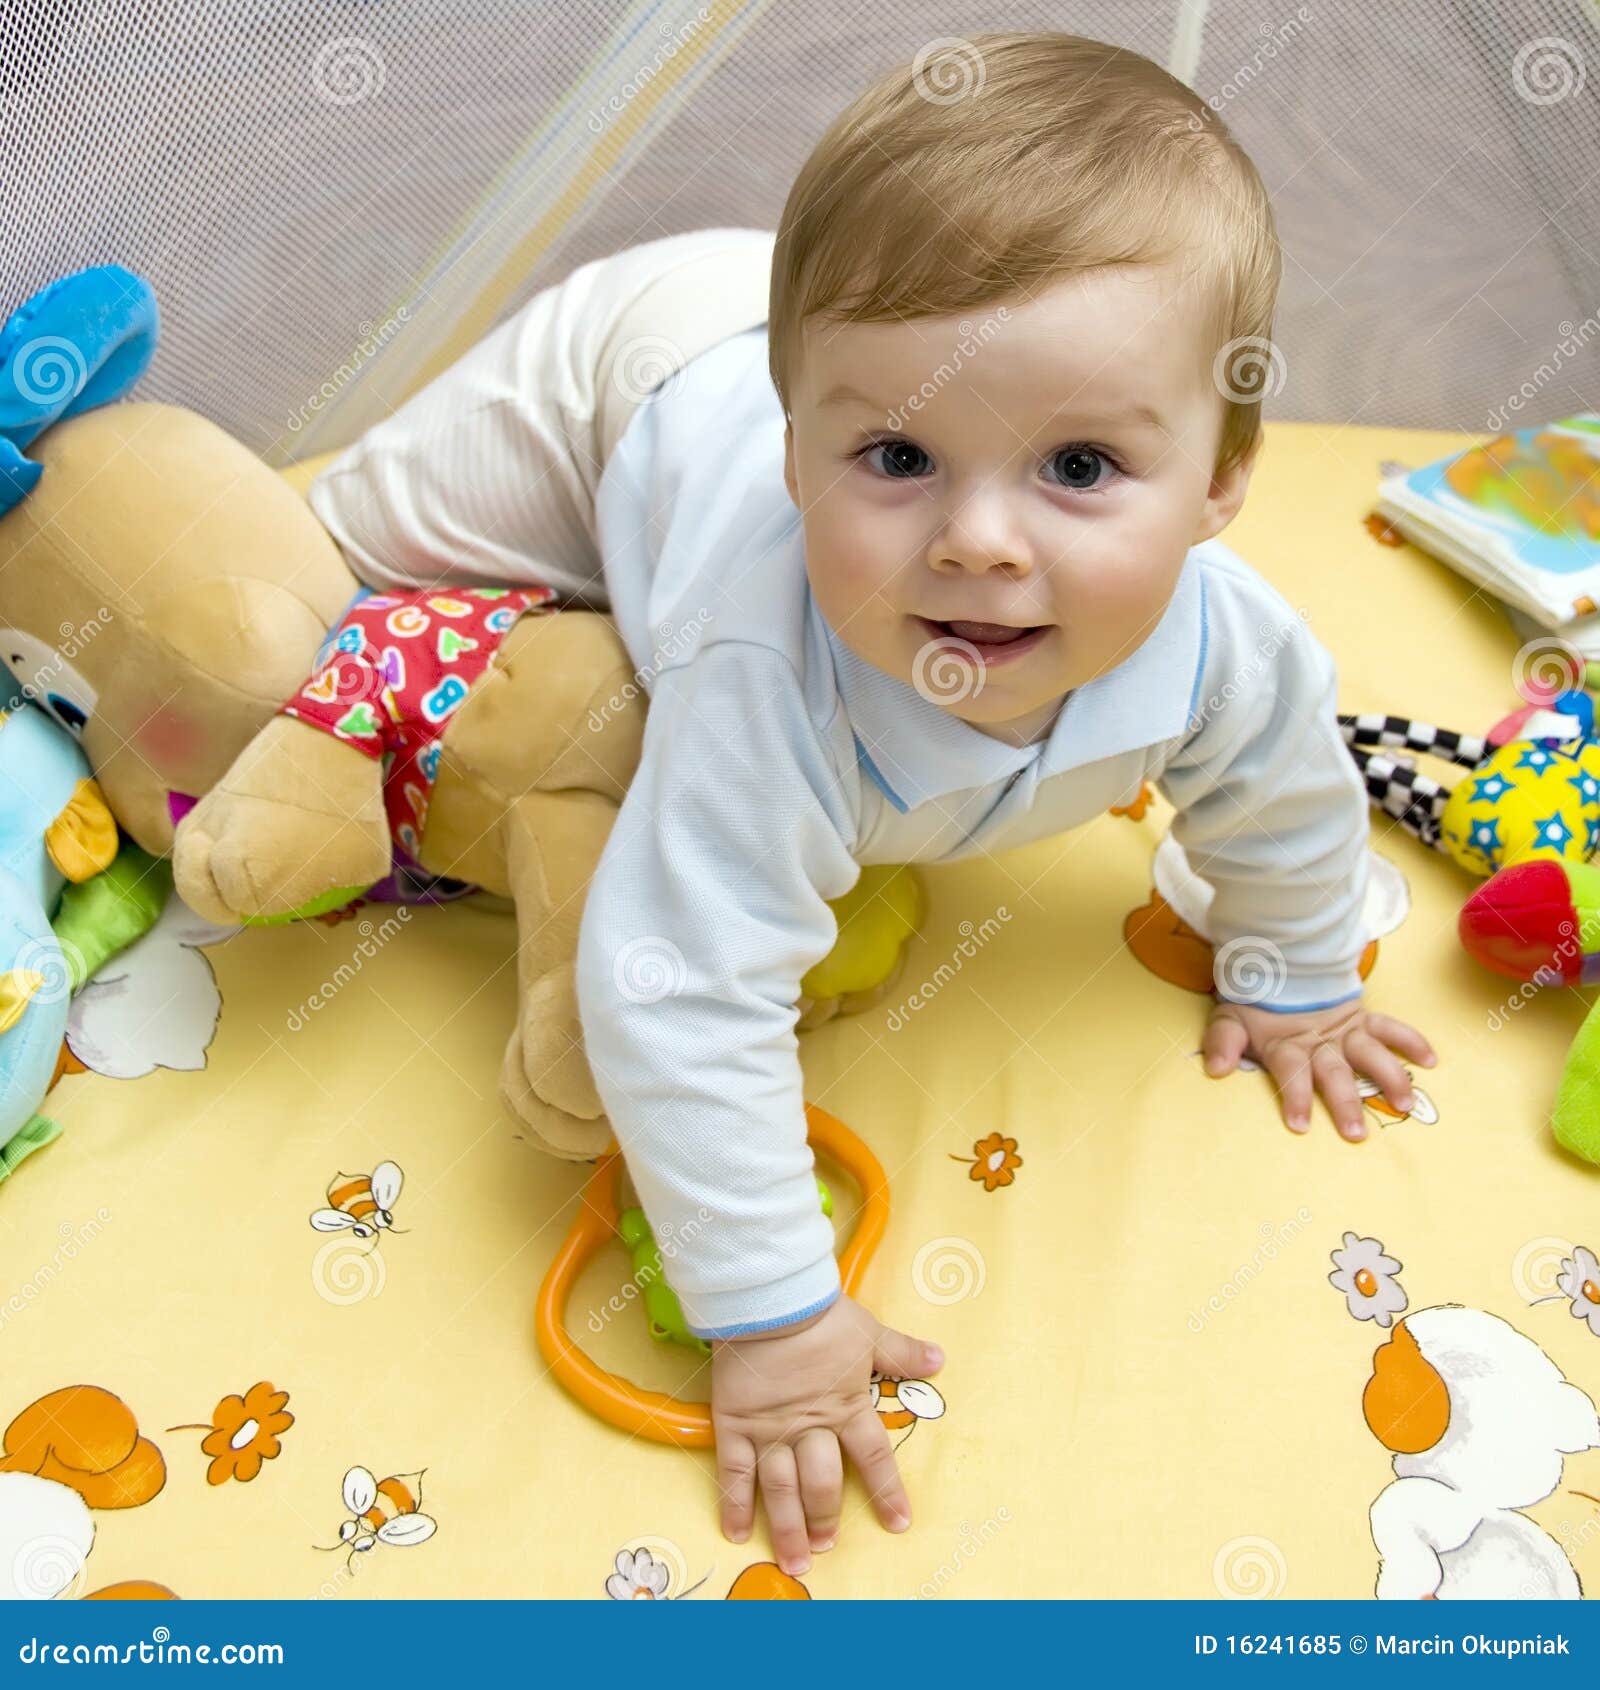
[
  {"x": 708, "y": 906},
  {"x": 1273, "y": 814}
]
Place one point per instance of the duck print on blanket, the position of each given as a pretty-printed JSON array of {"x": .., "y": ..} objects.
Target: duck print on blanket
[{"x": 1478, "y": 1422}]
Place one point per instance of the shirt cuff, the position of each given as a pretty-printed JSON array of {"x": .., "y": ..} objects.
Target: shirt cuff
[
  {"x": 1296, "y": 993},
  {"x": 739, "y": 1314}
]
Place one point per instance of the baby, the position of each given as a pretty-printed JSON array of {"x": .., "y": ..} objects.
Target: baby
[{"x": 915, "y": 554}]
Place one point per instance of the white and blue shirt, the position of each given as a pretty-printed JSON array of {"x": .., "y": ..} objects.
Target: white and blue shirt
[{"x": 776, "y": 762}]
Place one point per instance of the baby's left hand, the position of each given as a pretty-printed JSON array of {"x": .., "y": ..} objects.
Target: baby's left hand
[{"x": 1322, "y": 1049}]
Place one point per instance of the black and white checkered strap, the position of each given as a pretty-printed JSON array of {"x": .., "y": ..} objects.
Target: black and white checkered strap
[
  {"x": 1415, "y": 800},
  {"x": 1402, "y": 732}
]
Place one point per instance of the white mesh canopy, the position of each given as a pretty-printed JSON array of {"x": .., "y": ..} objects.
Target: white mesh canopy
[{"x": 333, "y": 197}]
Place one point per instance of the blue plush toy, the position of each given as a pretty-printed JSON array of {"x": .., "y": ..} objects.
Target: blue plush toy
[
  {"x": 80, "y": 342},
  {"x": 55, "y": 829},
  {"x": 34, "y": 1000}
]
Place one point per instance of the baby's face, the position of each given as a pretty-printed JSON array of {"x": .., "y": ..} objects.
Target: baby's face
[{"x": 1042, "y": 466}]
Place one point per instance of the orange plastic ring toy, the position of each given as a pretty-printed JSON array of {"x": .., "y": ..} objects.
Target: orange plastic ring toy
[{"x": 652, "y": 1414}]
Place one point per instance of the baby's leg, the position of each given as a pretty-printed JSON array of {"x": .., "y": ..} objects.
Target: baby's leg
[{"x": 487, "y": 476}]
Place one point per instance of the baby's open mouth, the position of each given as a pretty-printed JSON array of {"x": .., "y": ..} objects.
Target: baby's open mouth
[{"x": 991, "y": 640}]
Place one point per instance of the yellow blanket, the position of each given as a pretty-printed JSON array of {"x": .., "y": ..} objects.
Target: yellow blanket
[{"x": 1152, "y": 1387}]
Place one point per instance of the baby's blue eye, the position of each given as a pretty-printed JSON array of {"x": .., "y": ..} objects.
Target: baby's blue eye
[
  {"x": 1079, "y": 467},
  {"x": 902, "y": 461}
]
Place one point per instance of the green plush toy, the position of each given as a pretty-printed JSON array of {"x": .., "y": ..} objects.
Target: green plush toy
[{"x": 1576, "y": 1117}]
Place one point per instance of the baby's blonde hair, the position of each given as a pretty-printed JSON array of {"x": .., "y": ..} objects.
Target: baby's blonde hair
[{"x": 1001, "y": 164}]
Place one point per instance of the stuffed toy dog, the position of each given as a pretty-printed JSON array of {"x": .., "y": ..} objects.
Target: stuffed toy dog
[{"x": 242, "y": 701}]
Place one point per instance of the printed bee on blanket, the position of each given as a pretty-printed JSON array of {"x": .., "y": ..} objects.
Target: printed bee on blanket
[
  {"x": 901, "y": 1403},
  {"x": 361, "y": 1204},
  {"x": 387, "y": 1511}
]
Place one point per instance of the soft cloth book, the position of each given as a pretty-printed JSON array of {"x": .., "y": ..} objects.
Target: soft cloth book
[{"x": 1519, "y": 514}]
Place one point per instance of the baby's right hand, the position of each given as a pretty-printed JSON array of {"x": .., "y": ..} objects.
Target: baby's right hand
[{"x": 782, "y": 1404}]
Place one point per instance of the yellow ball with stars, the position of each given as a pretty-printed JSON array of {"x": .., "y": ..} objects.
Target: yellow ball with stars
[{"x": 1529, "y": 799}]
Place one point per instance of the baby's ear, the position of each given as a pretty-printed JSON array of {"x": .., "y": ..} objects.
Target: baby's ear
[{"x": 1227, "y": 493}]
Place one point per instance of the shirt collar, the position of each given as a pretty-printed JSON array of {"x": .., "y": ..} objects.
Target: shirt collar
[{"x": 914, "y": 750}]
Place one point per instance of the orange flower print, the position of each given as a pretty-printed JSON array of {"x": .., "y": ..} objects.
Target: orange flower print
[
  {"x": 243, "y": 1432},
  {"x": 994, "y": 1160}
]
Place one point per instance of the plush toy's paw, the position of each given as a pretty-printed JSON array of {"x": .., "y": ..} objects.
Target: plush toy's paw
[
  {"x": 545, "y": 1078},
  {"x": 299, "y": 814},
  {"x": 236, "y": 857},
  {"x": 547, "y": 1047}
]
